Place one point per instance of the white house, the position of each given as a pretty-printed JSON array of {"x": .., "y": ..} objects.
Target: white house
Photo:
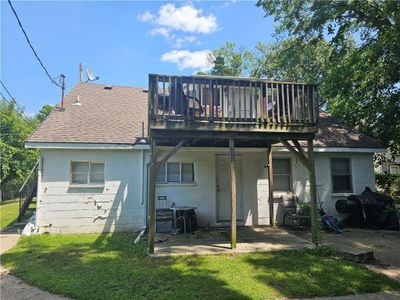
[
  {"x": 93, "y": 170},
  {"x": 390, "y": 164}
]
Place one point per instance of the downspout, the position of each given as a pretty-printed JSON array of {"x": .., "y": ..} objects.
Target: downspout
[{"x": 144, "y": 193}]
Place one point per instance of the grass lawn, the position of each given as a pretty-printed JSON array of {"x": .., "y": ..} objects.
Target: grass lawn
[
  {"x": 112, "y": 267},
  {"x": 9, "y": 212}
]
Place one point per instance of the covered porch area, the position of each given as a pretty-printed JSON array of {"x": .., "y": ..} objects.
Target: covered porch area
[
  {"x": 216, "y": 241},
  {"x": 230, "y": 113}
]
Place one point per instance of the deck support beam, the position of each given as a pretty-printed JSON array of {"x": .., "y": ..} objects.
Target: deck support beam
[
  {"x": 308, "y": 161},
  {"x": 270, "y": 188},
  {"x": 154, "y": 165},
  {"x": 315, "y": 233},
  {"x": 233, "y": 193},
  {"x": 151, "y": 211}
]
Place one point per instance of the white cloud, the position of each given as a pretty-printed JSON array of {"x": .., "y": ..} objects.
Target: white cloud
[
  {"x": 179, "y": 42},
  {"x": 186, "y": 18},
  {"x": 160, "y": 31},
  {"x": 226, "y": 4},
  {"x": 146, "y": 16},
  {"x": 185, "y": 59}
]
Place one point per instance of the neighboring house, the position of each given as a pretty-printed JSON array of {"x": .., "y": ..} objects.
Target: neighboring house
[
  {"x": 389, "y": 164},
  {"x": 93, "y": 171}
]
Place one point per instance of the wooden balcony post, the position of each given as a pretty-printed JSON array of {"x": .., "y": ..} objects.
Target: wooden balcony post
[
  {"x": 313, "y": 194},
  {"x": 151, "y": 212},
  {"x": 270, "y": 188},
  {"x": 154, "y": 165},
  {"x": 233, "y": 193}
]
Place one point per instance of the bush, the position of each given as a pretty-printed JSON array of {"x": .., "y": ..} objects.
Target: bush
[{"x": 390, "y": 184}]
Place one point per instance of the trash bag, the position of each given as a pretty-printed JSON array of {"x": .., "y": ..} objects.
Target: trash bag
[
  {"x": 369, "y": 210},
  {"x": 29, "y": 228}
]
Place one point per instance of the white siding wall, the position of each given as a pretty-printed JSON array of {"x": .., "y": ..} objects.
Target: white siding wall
[
  {"x": 121, "y": 205},
  {"x": 254, "y": 189},
  {"x": 116, "y": 207},
  {"x": 200, "y": 194},
  {"x": 362, "y": 171}
]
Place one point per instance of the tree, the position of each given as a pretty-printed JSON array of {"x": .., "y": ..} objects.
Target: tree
[
  {"x": 16, "y": 160},
  {"x": 229, "y": 61},
  {"x": 361, "y": 82},
  {"x": 288, "y": 60},
  {"x": 44, "y": 112}
]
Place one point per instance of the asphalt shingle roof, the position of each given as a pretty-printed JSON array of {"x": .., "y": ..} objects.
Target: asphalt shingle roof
[
  {"x": 112, "y": 116},
  {"x": 115, "y": 116}
]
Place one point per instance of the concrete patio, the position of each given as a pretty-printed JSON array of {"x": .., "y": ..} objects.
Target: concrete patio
[
  {"x": 217, "y": 240},
  {"x": 384, "y": 243}
]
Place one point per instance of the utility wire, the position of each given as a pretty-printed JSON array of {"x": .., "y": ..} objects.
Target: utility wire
[
  {"x": 1, "y": 94},
  {"x": 30, "y": 45},
  {"x": 6, "y": 89},
  {"x": 21, "y": 114},
  {"x": 13, "y": 100}
]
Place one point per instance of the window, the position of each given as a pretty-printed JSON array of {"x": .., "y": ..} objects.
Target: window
[
  {"x": 187, "y": 172},
  {"x": 282, "y": 174},
  {"x": 394, "y": 170},
  {"x": 86, "y": 172},
  {"x": 341, "y": 175},
  {"x": 175, "y": 172}
]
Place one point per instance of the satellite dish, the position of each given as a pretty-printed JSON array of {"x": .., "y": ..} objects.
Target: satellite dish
[{"x": 90, "y": 76}]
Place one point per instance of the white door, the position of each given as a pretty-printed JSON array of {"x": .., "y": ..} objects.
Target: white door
[{"x": 224, "y": 188}]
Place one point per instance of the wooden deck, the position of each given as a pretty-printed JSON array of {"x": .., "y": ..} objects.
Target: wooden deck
[
  {"x": 230, "y": 104},
  {"x": 231, "y": 112}
]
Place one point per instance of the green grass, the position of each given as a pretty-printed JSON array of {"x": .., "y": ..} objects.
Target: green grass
[
  {"x": 112, "y": 267},
  {"x": 9, "y": 212}
]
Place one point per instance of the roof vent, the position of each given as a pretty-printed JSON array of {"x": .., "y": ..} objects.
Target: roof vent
[
  {"x": 77, "y": 101},
  {"x": 108, "y": 87}
]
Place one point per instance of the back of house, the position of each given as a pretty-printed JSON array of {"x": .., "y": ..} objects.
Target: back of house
[{"x": 93, "y": 170}]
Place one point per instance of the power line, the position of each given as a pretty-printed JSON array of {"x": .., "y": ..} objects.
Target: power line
[
  {"x": 13, "y": 99},
  {"x": 1, "y": 94},
  {"x": 6, "y": 89},
  {"x": 30, "y": 45},
  {"x": 21, "y": 114}
]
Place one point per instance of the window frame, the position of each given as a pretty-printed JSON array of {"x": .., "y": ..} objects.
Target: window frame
[
  {"x": 394, "y": 167},
  {"x": 290, "y": 174},
  {"x": 88, "y": 182},
  {"x": 350, "y": 174},
  {"x": 180, "y": 173}
]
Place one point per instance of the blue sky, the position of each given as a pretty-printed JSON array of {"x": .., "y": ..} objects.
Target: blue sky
[{"x": 121, "y": 41}]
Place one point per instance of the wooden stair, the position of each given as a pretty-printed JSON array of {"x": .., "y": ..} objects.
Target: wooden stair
[{"x": 28, "y": 191}]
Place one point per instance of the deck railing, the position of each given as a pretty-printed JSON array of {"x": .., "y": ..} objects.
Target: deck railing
[{"x": 232, "y": 100}]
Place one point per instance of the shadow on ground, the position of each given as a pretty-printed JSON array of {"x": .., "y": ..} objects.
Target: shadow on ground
[
  {"x": 112, "y": 267},
  {"x": 109, "y": 268}
]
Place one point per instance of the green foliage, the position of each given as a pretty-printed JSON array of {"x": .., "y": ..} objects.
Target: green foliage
[
  {"x": 16, "y": 160},
  {"x": 390, "y": 184},
  {"x": 112, "y": 267},
  {"x": 305, "y": 208},
  {"x": 229, "y": 60},
  {"x": 349, "y": 48},
  {"x": 361, "y": 81},
  {"x": 44, "y": 112}
]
